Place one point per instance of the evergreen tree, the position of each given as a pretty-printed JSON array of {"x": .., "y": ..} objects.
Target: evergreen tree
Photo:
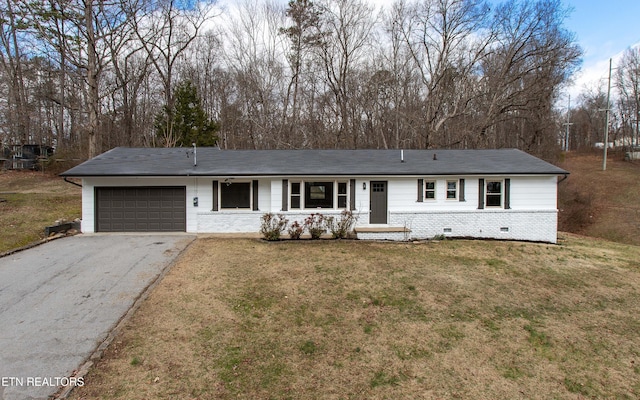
[{"x": 189, "y": 122}]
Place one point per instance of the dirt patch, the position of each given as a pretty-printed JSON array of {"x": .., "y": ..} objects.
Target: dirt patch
[{"x": 242, "y": 318}]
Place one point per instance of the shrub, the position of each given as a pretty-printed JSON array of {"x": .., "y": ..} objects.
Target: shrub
[
  {"x": 341, "y": 227},
  {"x": 295, "y": 230},
  {"x": 272, "y": 226},
  {"x": 315, "y": 225}
]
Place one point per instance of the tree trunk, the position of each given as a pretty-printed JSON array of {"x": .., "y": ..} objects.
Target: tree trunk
[{"x": 92, "y": 81}]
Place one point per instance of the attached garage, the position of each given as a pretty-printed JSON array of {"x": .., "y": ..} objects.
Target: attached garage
[{"x": 140, "y": 209}]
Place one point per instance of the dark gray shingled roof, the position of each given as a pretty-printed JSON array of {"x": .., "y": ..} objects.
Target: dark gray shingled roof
[{"x": 123, "y": 161}]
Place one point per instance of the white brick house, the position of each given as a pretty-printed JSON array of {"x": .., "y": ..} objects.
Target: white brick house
[{"x": 397, "y": 195}]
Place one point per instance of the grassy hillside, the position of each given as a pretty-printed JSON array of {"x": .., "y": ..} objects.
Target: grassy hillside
[
  {"x": 603, "y": 204},
  {"x": 30, "y": 201},
  {"x": 247, "y": 319}
]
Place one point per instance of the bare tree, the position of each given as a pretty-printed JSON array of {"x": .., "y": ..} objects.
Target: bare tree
[
  {"x": 166, "y": 29},
  {"x": 532, "y": 57},
  {"x": 627, "y": 81},
  {"x": 12, "y": 61},
  {"x": 79, "y": 31},
  {"x": 347, "y": 30},
  {"x": 303, "y": 36},
  {"x": 447, "y": 39}
]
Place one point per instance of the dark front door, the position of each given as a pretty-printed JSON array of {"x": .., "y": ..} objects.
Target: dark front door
[{"x": 378, "y": 202}]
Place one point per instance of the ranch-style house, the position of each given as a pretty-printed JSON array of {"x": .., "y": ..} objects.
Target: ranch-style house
[{"x": 395, "y": 194}]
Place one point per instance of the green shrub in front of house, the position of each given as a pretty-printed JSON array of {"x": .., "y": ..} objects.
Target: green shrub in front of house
[{"x": 272, "y": 226}]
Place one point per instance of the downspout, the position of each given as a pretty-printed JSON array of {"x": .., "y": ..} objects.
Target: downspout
[
  {"x": 73, "y": 183},
  {"x": 563, "y": 178}
]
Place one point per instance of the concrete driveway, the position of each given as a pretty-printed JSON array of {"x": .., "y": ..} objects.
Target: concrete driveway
[{"x": 58, "y": 301}]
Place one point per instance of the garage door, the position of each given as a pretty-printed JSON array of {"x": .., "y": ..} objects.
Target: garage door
[{"x": 141, "y": 209}]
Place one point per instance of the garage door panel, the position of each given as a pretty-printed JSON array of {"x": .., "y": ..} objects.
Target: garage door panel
[{"x": 149, "y": 209}]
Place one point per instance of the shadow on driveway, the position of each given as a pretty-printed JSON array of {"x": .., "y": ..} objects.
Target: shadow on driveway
[{"x": 60, "y": 300}]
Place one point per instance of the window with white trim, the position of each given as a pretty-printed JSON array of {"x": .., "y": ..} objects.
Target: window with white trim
[
  {"x": 452, "y": 190},
  {"x": 318, "y": 194},
  {"x": 429, "y": 190},
  {"x": 296, "y": 197},
  {"x": 342, "y": 194},
  {"x": 493, "y": 193}
]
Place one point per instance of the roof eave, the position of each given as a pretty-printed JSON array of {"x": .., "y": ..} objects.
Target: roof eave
[{"x": 210, "y": 173}]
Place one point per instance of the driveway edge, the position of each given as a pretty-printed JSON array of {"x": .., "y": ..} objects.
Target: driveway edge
[
  {"x": 37, "y": 243},
  {"x": 65, "y": 391}
]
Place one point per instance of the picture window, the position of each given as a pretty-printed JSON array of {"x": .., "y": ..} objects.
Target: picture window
[{"x": 235, "y": 195}]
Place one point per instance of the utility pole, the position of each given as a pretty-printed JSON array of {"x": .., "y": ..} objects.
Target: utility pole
[
  {"x": 568, "y": 123},
  {"x": 606, "y": 126}
]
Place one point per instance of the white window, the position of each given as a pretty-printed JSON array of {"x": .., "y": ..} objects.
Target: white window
[
  {"x": 296, "y": 199},
  {"x": 493, "y": 193},
  {"x": 318, "y": 194},
  {"x": 430, "y": 190},
  {"x": 452, "y": 190},
  {"x": 342, "y": 194}
]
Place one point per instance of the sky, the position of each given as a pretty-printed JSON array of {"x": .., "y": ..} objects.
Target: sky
[{"x": 604, "y": 29}]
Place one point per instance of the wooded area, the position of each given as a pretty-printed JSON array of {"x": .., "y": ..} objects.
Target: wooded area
[{"x": 86, "y": 76}]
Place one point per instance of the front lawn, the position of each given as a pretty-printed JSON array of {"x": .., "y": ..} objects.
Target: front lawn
[
  {"x": 31, "y": 201},
  {"x": 243, "y": 318}
]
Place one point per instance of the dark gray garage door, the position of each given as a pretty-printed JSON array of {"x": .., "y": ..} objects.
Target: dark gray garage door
[{"x": 141, "y": 209}]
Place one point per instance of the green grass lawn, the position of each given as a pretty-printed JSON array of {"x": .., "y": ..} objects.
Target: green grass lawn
[
  {"x": 243, "y": 318},
  {"x": 30, "y": 202}
]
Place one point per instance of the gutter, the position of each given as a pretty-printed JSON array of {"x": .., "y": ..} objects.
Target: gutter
[
  {"x": 563, "y": 178},
  {"x": 73, "y": 183}
]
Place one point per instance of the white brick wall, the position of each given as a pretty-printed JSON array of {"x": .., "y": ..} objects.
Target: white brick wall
[
  {"x": 492, "y": 224},
  {"x": 397, "y": 236},
  {"x": 245, "y": 221},
  {"x": 533, "y": 215},
  {"x": 229, "y": 221}
]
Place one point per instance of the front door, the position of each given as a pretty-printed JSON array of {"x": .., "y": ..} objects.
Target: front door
[{"x": 378, "y": 202}]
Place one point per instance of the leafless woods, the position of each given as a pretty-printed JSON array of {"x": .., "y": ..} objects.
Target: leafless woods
[{"x": 86, "y": 76}]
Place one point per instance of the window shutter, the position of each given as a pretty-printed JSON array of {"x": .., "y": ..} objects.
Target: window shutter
[
  {"x": 255, "y": 195},
  {"x": 461, "y": 191},
  {"x": 480, "y": 194},
  {"x": 215, "y": 195},
  {"x": 507, "y": 194},
  {"x": 285, "y": 194},
  {"x": 352, "y": 194},
  {"x": 420, "y": 190}
]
